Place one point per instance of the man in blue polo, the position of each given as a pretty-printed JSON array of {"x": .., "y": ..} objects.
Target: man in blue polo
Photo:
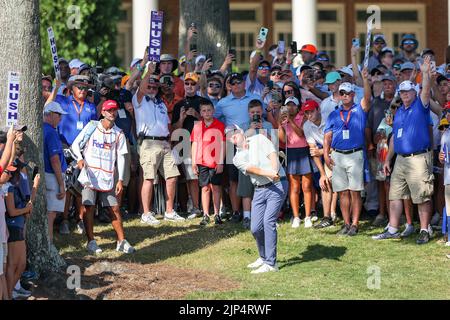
[
  {"x": 233, "y": 110},
  {"x": 343, "y": 151},
  {"x": 79, "y": 111},
  {"x": 412, "y": 177}
]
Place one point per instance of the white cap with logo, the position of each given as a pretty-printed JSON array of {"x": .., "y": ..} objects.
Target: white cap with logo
[
  {"x": 292, "y": 99},
  {"x": 54, "y": 107},
  {"x": 406, "y": 86},
  {"x": 347, "y": 87}
]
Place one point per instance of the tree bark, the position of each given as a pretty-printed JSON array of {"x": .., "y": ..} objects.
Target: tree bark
[
  {"x": 21, "y": 47},
  {"x": 212, "y": 18}
]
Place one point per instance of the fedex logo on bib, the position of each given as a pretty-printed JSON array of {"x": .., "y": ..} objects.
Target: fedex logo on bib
[{"x": 104, "y": 145}]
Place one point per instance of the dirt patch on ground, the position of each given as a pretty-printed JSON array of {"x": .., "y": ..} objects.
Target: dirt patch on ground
[{"x": 116, "y": 280}]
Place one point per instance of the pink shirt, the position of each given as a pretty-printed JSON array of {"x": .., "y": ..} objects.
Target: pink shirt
[{"x": 293, "y": 140}]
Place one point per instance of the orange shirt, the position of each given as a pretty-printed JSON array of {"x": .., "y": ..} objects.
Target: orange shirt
[{"x": 171, "y": 104}]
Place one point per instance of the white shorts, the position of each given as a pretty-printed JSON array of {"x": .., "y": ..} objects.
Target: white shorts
[
  {"x": 348, "y": 171},
  {"x": 51, "y": 191}
]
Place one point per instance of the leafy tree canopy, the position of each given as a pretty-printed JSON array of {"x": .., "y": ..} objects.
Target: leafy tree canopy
[{"x": 80, "y": 29}]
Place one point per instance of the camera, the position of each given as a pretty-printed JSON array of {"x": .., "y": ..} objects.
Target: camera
[
  {"x": 270, "y": 84},
  {"x": 256, "y": 118},
  {"x": 233, "y": 52},
  {"x": 294, "y": 47},
  {"x": 284, "y": 109},
  {"x": 276, "y": 98}
]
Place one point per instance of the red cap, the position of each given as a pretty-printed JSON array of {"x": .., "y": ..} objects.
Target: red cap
[
  {"x": 310, "y": 105},
  {"x": 309, "y": 48},
  {"x": 109, "y": 105},
  {"x": 447, "y": 105}
]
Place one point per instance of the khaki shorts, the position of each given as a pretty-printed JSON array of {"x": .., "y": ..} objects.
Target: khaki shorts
[
  {"x": 154, "y": 156},
  {"x": 348, "y": 171},
  {"x": 412, "y": 178}
]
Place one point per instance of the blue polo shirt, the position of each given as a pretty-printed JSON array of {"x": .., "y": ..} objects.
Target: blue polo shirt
[
  {"x": 411, "y": 128},
  {"x": 231, "y": 110},
  {"x": 52, "y": 146},
  {"x": 20, "y": 202},
  {"x": 356, "y": 127},
  {"x": 67, "y": 128}
]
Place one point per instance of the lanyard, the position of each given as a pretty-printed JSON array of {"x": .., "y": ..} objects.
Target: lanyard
[
  {"x": 348, "y": 118},
  {"x": 79, "y": 111}
]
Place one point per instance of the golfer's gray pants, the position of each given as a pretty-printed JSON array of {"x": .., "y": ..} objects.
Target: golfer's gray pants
[{"x": 266, "y": 205}]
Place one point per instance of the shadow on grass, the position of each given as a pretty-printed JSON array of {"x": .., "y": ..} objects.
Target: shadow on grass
[
  {"x": 192, "y": 239},
  {"x": 315, "y": 252}
]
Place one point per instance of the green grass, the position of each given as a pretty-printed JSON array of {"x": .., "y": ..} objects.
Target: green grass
[{"x": 314, "y": 264}]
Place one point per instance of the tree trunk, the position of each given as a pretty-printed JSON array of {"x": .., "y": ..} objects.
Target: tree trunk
[
  {"x": 21, "y": 47},
  {"x": 212, "y": 18}
]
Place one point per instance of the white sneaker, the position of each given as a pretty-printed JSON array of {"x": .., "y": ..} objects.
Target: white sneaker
[
  {"x": 173, "y": 216},
  {"x": 308, "y": 222},
  {"x": 430, "y": 230},
  {"x": 80, "y": 227},
  {"x": 333, "y": 216},
  {"x": 196, "y": 213},
  {"x": 265, "y": 268},
  {"x": 435, "y": 219},
  {"x": 149, "y": 218},
  {"x": 296, "y": 223},
  {"x": 125, "y": 247},
  {"x": 447, "y": 244},
  {"x": 254, "y": 265},
  {"x": 93, "y": 247}
]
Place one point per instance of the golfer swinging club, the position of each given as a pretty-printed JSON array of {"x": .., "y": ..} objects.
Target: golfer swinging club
[{"x": 257, "y": 157}]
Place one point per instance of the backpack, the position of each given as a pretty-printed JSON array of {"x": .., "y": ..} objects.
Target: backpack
[{"x": 87, "y": 135}]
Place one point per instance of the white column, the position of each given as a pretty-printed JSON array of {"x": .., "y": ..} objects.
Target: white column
[
  {"x": 141, "y": 24},
  {"x": 448, "y": 20},
  {"x": 304, "y": 22}
]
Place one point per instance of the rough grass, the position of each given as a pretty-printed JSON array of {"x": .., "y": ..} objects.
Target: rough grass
[{"x": 314, "y": 264}]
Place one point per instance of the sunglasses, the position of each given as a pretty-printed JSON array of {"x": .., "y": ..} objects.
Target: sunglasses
[
  {"x": 190, "y": 84},
  {"x": 217, "y": 86},
  {"x": 343, "y": 93},
  {"x": 82, "y": 88},
  {"x": 288, "y": 91},
  {"x": 275, "y": 73},
  {"x": 235, "y": 82},
  {"x": 263, "y": 68},
  {"x": 408, "y": 42}
]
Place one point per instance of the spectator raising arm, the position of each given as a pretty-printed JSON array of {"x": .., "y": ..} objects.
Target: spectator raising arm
[
  {"x": 54, "y": 93},
  {"x": 226, "y": 64},
  {"x": 144, "y": 83},
  {"x": 137, "y": 71},
  {"x": 425, "y": 95},
  {"x": 356, "y": 74},
  {"x": 365, "y": 102},
  {"x": 255, "y": 61},
  {"x": 7, "y": 152}
]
